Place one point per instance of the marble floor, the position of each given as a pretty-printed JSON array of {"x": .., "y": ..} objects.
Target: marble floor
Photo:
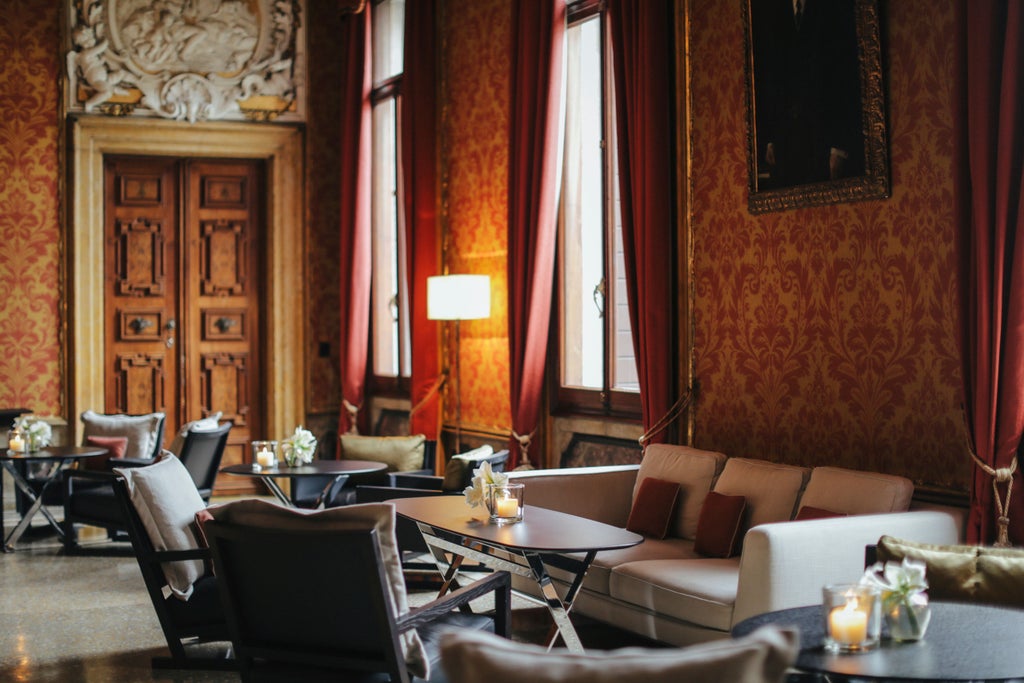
[{"x": 88, "y": 618}]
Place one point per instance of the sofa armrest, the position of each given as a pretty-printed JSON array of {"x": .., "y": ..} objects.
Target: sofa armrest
[
  {"x": 786, "y": 564},
  {"x": 604, "y": 494}
]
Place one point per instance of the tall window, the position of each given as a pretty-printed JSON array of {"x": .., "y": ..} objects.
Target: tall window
[
  {"x": 597, "y": 367},
  {"x": 389, "y": 326}
]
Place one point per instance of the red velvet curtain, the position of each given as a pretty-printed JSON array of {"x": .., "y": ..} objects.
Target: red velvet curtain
[
  {"x": 994, "y": 269},
  {"x": 419, "y": 188},
  {"x": 355, "y": 261},
  {"x": 642, "y": 55},
  {"x": 537, "y": 44}
]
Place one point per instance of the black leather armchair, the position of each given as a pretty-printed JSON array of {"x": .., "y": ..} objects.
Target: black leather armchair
[{"x": 89, "y": 495}]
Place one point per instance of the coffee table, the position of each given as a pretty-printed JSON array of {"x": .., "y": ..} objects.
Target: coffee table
[
  {"x": 338, "y": 469},
  {"x": 545, "y": 538},
  {"x": 58, "y": 458},
  {"x": 964, "y": 642}
]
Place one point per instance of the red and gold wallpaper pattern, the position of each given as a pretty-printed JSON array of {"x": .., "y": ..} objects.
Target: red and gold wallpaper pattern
[
  {"x": 30, "y": 259},
  {"x": 827, "y": 335},
  {"x": 323, "y": 168},
  {"x": 476, "y": 71}
]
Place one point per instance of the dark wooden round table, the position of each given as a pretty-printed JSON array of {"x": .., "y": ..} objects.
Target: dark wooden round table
[
  {"x": 58, "y": 458},
  {"x": 337, "y": 469},
  {"x": 964, "y": 642}
]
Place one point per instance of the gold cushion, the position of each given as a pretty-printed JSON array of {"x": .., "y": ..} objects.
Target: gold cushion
[
  {"x": 399, "y": 453},
  {"x": 457, "y": 468},
  {"x": 993, "y": 576}
]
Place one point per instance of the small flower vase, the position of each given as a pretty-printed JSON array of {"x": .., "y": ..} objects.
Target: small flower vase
[
  {"x": 34, "y": 442},
  {"x": 907, "y": 622},
  {"x": 291, "y": 456}
]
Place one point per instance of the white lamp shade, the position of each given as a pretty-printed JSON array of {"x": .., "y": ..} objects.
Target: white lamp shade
[{"x": 458, "y": 297}]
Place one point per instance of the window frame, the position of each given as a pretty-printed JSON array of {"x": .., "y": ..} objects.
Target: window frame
[
  {"x": 606, "y": 401},
  {"x": 399, "y": 386}
]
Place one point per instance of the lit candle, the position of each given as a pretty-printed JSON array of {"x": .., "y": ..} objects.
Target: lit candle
[
  {"x": 848, "y": 624},
  {"x": 507, "y": 507},
  {"x": 265, "y": 458},
  {"x": 16, "y": 443}
]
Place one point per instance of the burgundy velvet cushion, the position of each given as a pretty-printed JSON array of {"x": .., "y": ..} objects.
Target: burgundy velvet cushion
[
  {"x": 811, "y": 512},
  {"x": 718, "y": 528},
  {"x": 653, "y": 506},
  {"x": 117, "y": 445}
]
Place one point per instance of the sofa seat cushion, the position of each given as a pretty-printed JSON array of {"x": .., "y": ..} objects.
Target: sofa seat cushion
[
  {"x": 606, "y": 560},
  {"x": 854, "y": 492},
  {"x": 771, "y": 489},
  {"x": 692, "y": 469},
  {"x": 700, "y": 591}
]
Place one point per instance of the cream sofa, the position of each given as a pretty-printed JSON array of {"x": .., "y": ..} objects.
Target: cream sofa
[{"x": 665, "y": 590}]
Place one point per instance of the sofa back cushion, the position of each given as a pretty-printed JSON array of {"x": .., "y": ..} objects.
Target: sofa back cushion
[
  {"x": 853, "y": 492},
  {"x": 692, "y": 469},
  {"x": 771, "y": 489}
]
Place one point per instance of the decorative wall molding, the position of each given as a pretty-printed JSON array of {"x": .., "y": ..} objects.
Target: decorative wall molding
[{"x": 192, "y": 60}]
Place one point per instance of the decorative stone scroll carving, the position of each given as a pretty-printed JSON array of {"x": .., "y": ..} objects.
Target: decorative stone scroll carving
[{"x": 188, "y": 60}]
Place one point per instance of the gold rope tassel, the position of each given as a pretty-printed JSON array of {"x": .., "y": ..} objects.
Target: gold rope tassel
[
  {"x": 353, "y": 413},
  {"x": 1003, "y": 475},
  {"x": 681, "y": 404},
  {"x": 524, "y": 448}
]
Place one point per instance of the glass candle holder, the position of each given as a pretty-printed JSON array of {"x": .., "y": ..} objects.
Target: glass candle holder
[
  {"x": 505, "y": 503},
  {"x": 264, "y": 453},
  {"x": 853, "y": 617},
  {"x": 16, "y": 441}
]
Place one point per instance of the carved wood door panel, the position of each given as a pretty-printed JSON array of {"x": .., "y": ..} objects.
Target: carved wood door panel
[{"x": 182, "y": 302}]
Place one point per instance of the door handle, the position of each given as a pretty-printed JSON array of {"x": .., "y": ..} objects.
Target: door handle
[
  {"x": 170, "y": 326},
  {"x": 225, "y": 324},
  {"x": 139, "y": 324}
]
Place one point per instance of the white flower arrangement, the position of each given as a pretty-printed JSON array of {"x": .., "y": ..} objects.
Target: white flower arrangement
[
  {"x": 904, "y": 601},
  {"x": 35, "y": 430},
  {"x": 298, "y": 449},
  {"x": 899, "y": 583},
  {"x": 483, "y": 476}
]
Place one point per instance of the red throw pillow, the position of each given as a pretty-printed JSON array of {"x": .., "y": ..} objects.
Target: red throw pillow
[
  {"x": 652, "y": 508},
  {"x": 811, "y": 512},
  {"x": 117, "y": 445},
  {"x": 718, "y": 528},
  {"x": 199, "y": 528}
]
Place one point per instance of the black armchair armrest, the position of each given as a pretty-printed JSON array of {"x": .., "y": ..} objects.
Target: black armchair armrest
[
  {"x": 413, "y": 480},
  {"x": 130, "y": 462},
  {"x": 500, "y": 583}
]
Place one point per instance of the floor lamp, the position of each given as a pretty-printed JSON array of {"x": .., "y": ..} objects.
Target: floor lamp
[{"x": 458, "y": 298}]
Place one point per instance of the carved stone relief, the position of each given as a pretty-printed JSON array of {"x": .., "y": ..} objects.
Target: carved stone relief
[{"x": 188, "y": 60}]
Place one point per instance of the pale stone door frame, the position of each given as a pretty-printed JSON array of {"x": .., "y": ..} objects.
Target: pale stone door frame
[{"x": 281, "y": 148}]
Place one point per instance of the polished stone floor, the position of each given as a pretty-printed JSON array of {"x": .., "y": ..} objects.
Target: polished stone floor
[{"x": 88, "y": 619}]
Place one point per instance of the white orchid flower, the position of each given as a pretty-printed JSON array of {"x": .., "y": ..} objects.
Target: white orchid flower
[
  {"x": 483, "y": 476},
  {"x": 899, "y": 582}
]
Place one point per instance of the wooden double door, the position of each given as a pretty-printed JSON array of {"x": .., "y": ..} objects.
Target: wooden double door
[{"x": 183, "y": 298}]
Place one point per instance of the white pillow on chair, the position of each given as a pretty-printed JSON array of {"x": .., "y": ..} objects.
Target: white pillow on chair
[
  {"x": 167, "y": 501},
  {"x": 762, "y": 657},
  {"x": 142, "y": 430}
]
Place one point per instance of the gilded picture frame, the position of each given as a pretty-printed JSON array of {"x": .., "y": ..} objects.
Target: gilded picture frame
[{"x": 816, "y": 126}]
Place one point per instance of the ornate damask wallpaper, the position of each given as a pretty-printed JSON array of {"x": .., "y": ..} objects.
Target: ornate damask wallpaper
[
  {"x": 827, "y": 335},
  {"x": 30, "y": 258},
  {"x": 322, "y": 210},
  {"x": 477, "y": 75}
]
